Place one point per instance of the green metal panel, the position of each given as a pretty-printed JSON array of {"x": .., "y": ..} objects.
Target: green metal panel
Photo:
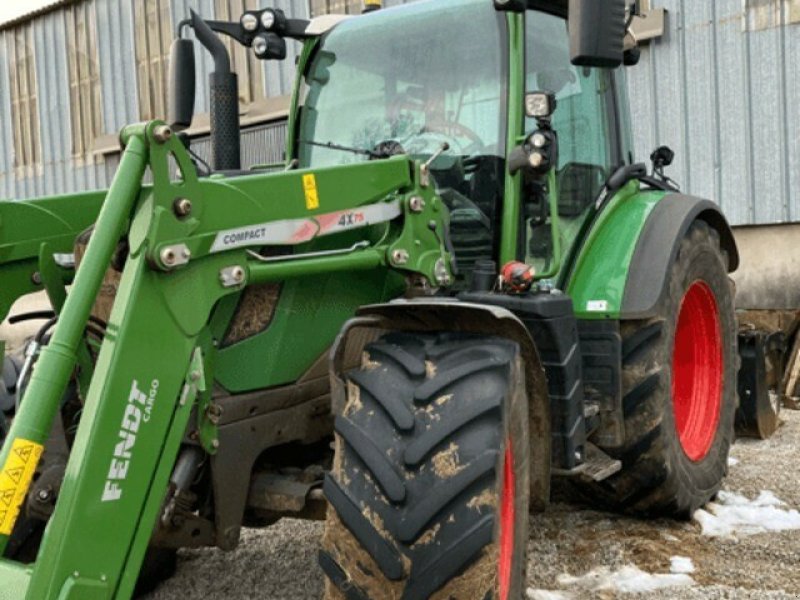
[
  {"x": 26, "y": 226},
  {"x": 597, "y": 282},
  {"x": 509, "y": 241},
  {"x": 113, "y": 463},
  {"x": 15, "y": 580},
  {"x": 309, "y": 315},
  {"x": 51, "y": 375}
]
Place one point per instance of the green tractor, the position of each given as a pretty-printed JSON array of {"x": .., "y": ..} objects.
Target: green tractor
[{"x": 457, "y": 286}]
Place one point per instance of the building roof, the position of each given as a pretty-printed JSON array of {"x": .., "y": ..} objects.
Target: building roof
[{"x": 13, "y": 12}]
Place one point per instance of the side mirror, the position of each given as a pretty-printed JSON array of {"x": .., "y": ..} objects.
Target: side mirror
[
  {"x": 182, "y": 84},
  {"x": 597, "y": 32}
]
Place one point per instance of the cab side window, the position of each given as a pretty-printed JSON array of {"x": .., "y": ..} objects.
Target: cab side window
[
  {"x": 583, "y": 120},
  {"x": 584, "y": 95}
]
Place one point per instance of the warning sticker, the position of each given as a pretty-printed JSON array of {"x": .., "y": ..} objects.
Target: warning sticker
[
  {"x": 310, "y": 188},
  {"x": 15, "y": 479}
]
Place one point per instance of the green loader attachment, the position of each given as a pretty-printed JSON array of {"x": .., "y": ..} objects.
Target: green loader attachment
[{"x": 456, "y": 287}]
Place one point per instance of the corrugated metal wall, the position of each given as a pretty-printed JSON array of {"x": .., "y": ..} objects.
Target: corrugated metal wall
[
  {"x": 720, "y": 88},
  {"x": 59, "y": 172}
]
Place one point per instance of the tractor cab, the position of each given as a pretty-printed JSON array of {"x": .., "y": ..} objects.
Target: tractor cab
[
  {"x": 434, "y": 83},
  {"x": 429, "y": 83}
]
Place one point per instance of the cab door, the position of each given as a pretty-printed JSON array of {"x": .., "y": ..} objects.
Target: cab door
[{"x": 591, "y": 144}]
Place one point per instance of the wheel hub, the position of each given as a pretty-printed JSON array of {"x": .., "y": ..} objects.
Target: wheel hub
[
  {"x": 507, "y": 533},
  {"x": 697, "y": 371}
]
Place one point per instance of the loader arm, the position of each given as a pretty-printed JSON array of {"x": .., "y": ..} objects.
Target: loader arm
[{"x": 192, "y": 242}]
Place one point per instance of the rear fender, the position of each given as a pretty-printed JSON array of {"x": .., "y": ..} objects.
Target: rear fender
[
  {"x": 622, "y": 267},
  {"x": 430, "y": 315}
]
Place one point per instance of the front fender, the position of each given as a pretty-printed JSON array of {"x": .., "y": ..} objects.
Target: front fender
[
  {"x": 444, "y": 314},
  {"x": 621, "y": 269}
]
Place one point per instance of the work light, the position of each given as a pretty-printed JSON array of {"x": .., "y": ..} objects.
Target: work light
[
  {"x": 540, "y": 105},
  {"x": 249, "y": 22},
  {"x": 260, "y": 46},
  {"x": 268, "y": 19}
]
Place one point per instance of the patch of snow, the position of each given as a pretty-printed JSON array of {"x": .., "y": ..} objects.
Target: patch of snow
[
  {"x": 681, "y": 564},
  {"x": 733, "y": 514},
  {"x": 627, "y": 580},
  {"x": 732, "y": 462},
  {"x": 548, "y": 595}
]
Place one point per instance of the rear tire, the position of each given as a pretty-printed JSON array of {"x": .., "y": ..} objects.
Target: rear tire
[
  {"x": 679, "y": 390},
  {"x": 430, "y": 485}
]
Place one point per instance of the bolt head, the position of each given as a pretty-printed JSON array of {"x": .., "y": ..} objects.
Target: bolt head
[
  {"x": 400, "y": 257},
  {"x": 416, "y": 204},
  {"x": 215, "y": 444},
  {"x": 168, "y": 256},
  {"x": 43, "y": 495},
  {"x": 182, "y": 207},
  {"x": 238, "y": 274},
  {"x": 162, "y": 134},
  {"x": 440, "y": 272}
]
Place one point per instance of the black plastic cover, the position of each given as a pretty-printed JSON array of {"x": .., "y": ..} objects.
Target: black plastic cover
[
  {"x": 182, "y": 82},
  {"x": 597, "y": 32},
  {"x": 551, "y": 321}
]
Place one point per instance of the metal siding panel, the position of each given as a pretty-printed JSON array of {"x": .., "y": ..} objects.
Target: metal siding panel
[
  {"x": 642, "y": 100},
  {"x": 54, "y": 109},
  {"x": 701, "y": 115},
  {"x": 791, "y": 51},
  {"x": 117, "y": 64},
  {"x": 734, "y": 134},
  {"x": 6, "y": 133},
  {"x": 766, "y": 125},
  {"x": 668, "y": 65}
]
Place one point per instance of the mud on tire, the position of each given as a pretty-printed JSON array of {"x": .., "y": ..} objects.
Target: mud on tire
[
  {"x": 428, "y": 498},
  {"x": 658, "y": 476}
]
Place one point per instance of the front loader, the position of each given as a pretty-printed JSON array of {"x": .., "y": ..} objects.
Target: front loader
[{"x": 457, "y": 286}]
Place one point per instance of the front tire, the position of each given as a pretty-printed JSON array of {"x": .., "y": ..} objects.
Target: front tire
[
  {"x": 430, "y": 485},
  {"x": 679, "y": 390}
]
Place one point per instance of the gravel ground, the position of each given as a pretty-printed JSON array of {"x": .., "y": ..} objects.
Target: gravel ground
[{"x": 280, "y": 563}]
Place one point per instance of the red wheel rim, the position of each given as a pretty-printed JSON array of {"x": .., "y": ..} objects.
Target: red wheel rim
[
  {"x": 697, "y": 371},
  {"x": 507, "y": 508}
]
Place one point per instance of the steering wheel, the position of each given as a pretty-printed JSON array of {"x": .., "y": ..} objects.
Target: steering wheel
[{"x": 454, "y": 130}]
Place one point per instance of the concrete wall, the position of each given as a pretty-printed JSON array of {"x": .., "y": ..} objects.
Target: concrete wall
[{"x": 769, "y": 277}]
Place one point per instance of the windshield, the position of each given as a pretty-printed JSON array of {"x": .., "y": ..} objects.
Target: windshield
[
  {"x": 410, "y": 80},
  {"x": 418, "y": 75}
]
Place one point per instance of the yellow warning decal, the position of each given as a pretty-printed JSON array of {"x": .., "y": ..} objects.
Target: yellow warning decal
[
  {"x": 15, "y": 479},
  {"x": 310, "y": 188}
]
